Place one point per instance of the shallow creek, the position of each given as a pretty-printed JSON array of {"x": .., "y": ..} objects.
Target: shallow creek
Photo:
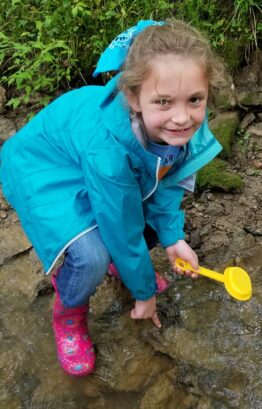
[{"x": 207, "y": 354}]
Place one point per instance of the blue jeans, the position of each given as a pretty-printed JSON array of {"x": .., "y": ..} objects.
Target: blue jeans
[{"x": 85, "y": 265}]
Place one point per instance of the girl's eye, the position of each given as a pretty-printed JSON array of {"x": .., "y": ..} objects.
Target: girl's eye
[
  {"x": 163, "y": 102},
  {"x": 195, "y": 100}
]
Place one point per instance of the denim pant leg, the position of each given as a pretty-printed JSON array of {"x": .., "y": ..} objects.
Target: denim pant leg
[{"x": 85, "y": 264}]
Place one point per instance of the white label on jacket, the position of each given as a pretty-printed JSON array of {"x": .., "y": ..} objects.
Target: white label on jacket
[{"x": 188, "y": 183}]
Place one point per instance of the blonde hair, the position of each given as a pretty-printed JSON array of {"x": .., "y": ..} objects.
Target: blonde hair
[{"x": 174, "y": 37}]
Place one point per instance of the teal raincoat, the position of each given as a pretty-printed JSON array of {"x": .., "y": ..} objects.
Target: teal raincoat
[{"x": 77, "y": 165}]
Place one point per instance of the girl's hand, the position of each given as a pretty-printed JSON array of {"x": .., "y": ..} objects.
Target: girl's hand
[
  {"x": 146, "y": 309},
  {"x": 182, "y": 250}
]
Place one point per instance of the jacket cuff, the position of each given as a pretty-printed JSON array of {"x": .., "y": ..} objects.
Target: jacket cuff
[
  {"x": 140, "y": 296},
  {"x": 169, "y": 238}
]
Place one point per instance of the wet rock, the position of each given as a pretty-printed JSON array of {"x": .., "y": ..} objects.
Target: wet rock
[
  {"x": 205, "y": 403},
  {"x": 179, "y": 343},
  {"x": 249, "y": 98},
  {"x": 123, "y": 363},
  {"x": 249, "y": 82},
  {"x": 23, "y": 276},
  {"x": 9, "y": 398},
  {"x": 195, "y": 239},
  {"x": 256, "y": 129},
  {"x": 2, "y": 99},
  {"x": 224, "y": 99},
  {"x": 216, "y": 243},
  {"x": 212, "y": 325},
  {"x": 66, "y": 389},
  {"x": 13, "y": 403},
  {"x": 206, "y": 230},
  {"x": 247, "y": 120},
  {"x": 224, "y": 127},
  {"x": 164, "y": 393},
  {"x": 110, "y": 297},
  {"x": 7, "y": 129},
  {"x": 215, "y": 209},
  {"x": 12, "y": 242}
]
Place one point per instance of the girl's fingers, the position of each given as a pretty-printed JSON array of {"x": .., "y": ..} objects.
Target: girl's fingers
[
  {"x": 188, "y": 273},
  {"x": 156, "y": 320},
  {"x": 178, "y": 271},
  {"x": 133, "y": 314}
]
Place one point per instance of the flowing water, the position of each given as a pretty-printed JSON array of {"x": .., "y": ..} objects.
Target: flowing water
[{"x": 206, "y": 356}]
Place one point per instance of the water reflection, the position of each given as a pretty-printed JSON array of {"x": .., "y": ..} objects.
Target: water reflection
[{"x": 207, "y": 354}]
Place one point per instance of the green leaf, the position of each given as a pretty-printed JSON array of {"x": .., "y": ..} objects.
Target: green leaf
[
  {"x": 28, "y": 90},
  {"x": 38, "y": 25},
  {"x": 14, "y": 102},
  {"x": 2, "y": 57}
]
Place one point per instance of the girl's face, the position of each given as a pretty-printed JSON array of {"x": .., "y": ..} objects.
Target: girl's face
[{"x": 172, "y": 100}]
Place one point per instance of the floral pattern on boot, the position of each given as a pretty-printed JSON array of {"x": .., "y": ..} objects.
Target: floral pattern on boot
[{"x": 74, "y": 346}]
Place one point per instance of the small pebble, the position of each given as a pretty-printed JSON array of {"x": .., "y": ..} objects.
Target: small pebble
[
  {"x": 243, "y": 200},
  {"x": 251, "y": 172},
  {"x": 3, "y": 214},
  {"x": 257, "y": 164},
  {"x": 211, "y": 196},
  {"x": 4, "y": 206}
]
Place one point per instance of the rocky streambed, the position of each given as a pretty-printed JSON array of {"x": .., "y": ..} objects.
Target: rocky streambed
[{"x": 207, "y": 355}]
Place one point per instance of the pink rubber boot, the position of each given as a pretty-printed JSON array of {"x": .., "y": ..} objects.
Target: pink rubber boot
[
  {"x": 74, "y": 346},
  {"x": 161, "y": 282}
]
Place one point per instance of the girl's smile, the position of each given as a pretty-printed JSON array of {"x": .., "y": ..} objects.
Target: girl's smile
[
  {"x": 172, "y": 100},
  {"x": 179, "y": 132}
]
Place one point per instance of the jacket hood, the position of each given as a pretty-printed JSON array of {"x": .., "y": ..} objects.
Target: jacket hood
[{"x": 117, "y": 121}]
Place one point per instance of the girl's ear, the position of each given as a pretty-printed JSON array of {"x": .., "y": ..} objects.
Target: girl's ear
[{"x": 133, "y": 101}]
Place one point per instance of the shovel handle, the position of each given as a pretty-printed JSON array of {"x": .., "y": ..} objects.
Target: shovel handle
[{"x": 184, "y": 266}]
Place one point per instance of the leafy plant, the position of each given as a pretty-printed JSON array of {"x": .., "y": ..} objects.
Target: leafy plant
[
  {"x": 243, "y": 138},
  {"x": 234, "y": 27},
  {"x": 245, "y": 23},
  {"x": 47, "y": 45},
  {"x": 51, "y": 45},
  {"x": 42, "y": 68}
]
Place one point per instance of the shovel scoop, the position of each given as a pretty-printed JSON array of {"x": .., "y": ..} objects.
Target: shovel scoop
[{"x": 235, "y": 279}]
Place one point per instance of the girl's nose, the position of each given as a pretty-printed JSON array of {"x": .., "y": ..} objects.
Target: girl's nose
[{"x": 180, "y": 116}]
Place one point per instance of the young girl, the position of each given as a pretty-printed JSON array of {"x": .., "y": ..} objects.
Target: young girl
[{"x": 101, "y": 163}]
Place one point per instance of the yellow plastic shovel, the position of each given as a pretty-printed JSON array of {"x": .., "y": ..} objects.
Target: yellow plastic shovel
[{"x": 235, "y": 279}]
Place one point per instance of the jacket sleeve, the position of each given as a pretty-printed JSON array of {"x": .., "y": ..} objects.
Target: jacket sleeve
[
  {"x": 117, "y": 205},
  {"x": 163, "y": 214}
]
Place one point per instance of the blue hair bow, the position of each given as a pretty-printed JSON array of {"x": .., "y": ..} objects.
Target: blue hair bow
[{"x": 115, "y": 54}]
